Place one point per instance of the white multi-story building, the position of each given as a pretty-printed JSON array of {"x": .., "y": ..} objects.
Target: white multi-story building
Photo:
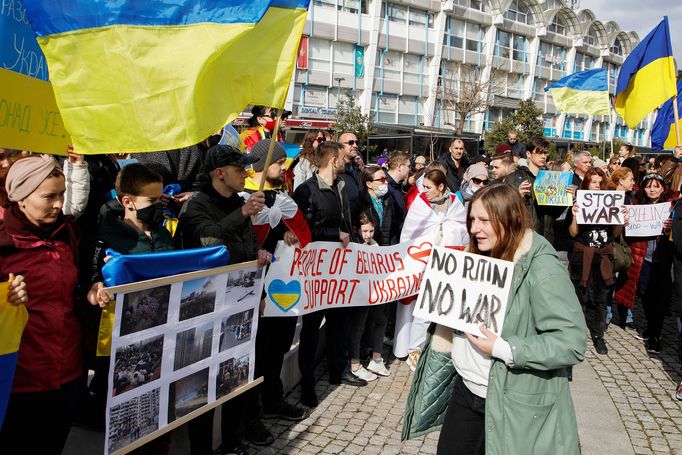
[{"x": 396, "y": 57}]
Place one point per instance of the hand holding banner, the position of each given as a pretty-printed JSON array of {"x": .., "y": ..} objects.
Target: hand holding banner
[
  {"x": 464, "y": 290},
  {"x": 647, "y": 220},
  {"x": 550, "y": 188}
]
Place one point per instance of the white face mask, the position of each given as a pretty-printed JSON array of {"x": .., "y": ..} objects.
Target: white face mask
[{"x": 382, "y": 190}]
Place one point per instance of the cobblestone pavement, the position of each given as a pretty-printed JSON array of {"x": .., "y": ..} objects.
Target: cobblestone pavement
[
  {"x": 642, "y": 386},
  {"x": 368, "y": 420},
  {"x": 352, "y": 420}
]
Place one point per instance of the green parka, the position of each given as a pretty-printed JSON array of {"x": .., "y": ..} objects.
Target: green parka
[{"x": 529, "y": 409}]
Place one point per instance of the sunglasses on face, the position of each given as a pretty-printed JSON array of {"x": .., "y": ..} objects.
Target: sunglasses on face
[
  {"x": 320, "y": 140},
  {"x": 541, "y": 152},
  {"x": 352, "y": 142},
  {"x": 478, "y": 181}
]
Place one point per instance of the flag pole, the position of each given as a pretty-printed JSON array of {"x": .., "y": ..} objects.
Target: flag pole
[
  {"x": 677, "y": 121},
  {"x": 268, "y": 158}
]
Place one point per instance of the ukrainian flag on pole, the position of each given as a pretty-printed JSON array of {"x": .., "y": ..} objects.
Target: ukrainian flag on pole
[
  {"x": 584, "y": 92},
  {"x": 151, "y": 75},
  {"x": 663, "y": 134},
  {"x": 647, "y": 77}
]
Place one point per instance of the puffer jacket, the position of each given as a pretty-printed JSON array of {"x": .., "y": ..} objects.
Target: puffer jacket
[
  {"x": 325, "y": 208},
  {"x": 626, "y": 287},
  {"x": 528, "y": 407},
  {"x": 49, "y": 354}
]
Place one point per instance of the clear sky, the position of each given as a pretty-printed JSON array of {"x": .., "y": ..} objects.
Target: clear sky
[{"x": 641, "y": 16}]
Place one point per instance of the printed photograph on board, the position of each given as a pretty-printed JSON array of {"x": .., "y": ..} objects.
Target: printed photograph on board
[
  {"x": 144, "y": 309},
  {"x": 232, "y": 374},
  {"x": 236, "y": 329},
  {"x": 193, "y": 345},
  {"x": 241, "y": 286},
  {"x": 137, "y": 364},
  {"x": 187, "y": 394},
  {"x": 197, "y": 298},
  {"x": 133, "y": 419}
]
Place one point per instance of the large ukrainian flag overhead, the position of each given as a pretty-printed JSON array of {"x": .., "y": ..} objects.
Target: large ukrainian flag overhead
[
  {"x": 149, "y": 75},
  {"x": 584, "y": 92},
  {"x": 647, "y": 77}
]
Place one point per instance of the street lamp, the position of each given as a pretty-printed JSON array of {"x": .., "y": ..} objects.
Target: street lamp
[{"x": 338, "y": 87}]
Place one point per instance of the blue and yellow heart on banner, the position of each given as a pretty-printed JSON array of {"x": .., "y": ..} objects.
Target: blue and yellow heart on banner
[
  {"x": 284, "y": 295},
  {"x": 13, "y": 319}
]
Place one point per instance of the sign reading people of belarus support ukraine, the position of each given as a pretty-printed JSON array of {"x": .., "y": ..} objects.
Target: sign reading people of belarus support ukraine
[
  {"x": 550, "y": 188},
  {"x": 600, "y": 207},
  {"x": 325, "y": 275},
  {"x": 464, "y": 291}
]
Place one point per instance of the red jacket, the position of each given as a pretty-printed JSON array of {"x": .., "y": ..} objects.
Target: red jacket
[
  {"x": 49, "y": 354},
  {"x": 626, "y": 295}
]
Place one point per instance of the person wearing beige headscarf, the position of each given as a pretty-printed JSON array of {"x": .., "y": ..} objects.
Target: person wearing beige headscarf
[{"x": 37, "y": 239}]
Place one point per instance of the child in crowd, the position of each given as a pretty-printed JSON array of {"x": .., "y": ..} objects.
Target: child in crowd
[{"x": 377, "y": 320}]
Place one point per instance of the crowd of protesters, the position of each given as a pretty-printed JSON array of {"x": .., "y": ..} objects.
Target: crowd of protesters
[{"x": 57, "y": 220}]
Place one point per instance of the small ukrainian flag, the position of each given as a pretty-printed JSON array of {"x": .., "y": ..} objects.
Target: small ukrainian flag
[
  {"x": 584, "y": 92},
  {"x": 663, "y": 135}
]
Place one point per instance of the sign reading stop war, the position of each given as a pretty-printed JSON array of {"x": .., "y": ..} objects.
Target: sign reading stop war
[
  {"x": 464, "y": 290},
  {"x": 646, "y": 220},
  {"x": 600, "y": 207}
]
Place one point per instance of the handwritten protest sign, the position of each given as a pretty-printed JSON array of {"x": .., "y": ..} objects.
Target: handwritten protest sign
[
  {"x": 647, "y": 220},
  {"x": 464, "y": 290},
  {"x": 29, "y": 118},
  {"x": 550, "y": 188},
  {"x": 600, "y": 207},
  {"x": 325, "y": 275},
  {"x": 181, "y": 346}
]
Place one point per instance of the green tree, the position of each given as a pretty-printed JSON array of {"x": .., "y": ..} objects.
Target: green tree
[
  {"x": 526, "y": 120},
  {"x": 349, "y": 117}
]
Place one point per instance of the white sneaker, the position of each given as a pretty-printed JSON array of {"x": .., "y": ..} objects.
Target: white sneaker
[
  {"x": 378, "y": 367},
  {"x": 362, "y": 373}
]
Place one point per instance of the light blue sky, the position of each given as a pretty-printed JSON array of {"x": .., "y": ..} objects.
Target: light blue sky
[{"x": 641, "y": 16}]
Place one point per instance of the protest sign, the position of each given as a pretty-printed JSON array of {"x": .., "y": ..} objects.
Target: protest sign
[
  {"x": 326, "y": 275},
  {"x": 29, "y": 118},
  {"x": 181, "y": 346},
  {"x": 464, "y": 291},
  {"x": 600, "y": 207},
  {"x": 647, "y": 220},
  {"x": 550, "y": 188}
]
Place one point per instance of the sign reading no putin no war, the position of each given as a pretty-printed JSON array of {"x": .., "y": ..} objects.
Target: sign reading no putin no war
[
  {"x": 464, "y": 290},
  {"x": 600, "y": 207}
]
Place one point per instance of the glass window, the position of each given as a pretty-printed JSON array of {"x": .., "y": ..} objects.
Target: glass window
[
  {"x": 503, "y": 44},
  {"x": 519, "y": 12},
  {"x": 320, "y": 54},
  {"x": 391, "y": 60},
  {"x": 454, "y": 33},
  {"x": 617, "y": 48},
  {"x": 515, "y": 86},
  {"x": 520, "y": 43},
  {"x": 407, "y": 110},
  {"x": 539, "y": 89},
  {"x": 474, "y": 34},
  {"x": 551, "y": 56},
  {"x": 558, "y": 25},
  {"x": 418, "y": 17},
  {"x": 386, "y": 108},
  {"x": 592, "y": 38},
  {"x": 396, "y": 13},
  {"x": 344, "y": 58},
  {"x": 411, "y": 68},
  {"x": 325, "y": 3}
]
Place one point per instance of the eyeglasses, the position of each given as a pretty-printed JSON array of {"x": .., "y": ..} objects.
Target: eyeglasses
[
  {"x": 352, "y": 142},
  {"x": 381, "y": 179},
  {"x": 478, "y": 181},
  {"x": 320, "y": 140}
]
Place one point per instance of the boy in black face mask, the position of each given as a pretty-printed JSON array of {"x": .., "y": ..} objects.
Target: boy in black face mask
[{"x": 130, "y": 224}]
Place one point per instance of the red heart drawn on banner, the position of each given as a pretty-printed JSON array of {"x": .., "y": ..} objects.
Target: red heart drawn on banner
[{"x": 420, "y": 253}]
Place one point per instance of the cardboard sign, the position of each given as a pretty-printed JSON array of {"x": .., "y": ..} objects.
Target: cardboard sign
[
  {"x": 181, "y": 346},
  {"x": 464, "y": 291},
  {"x": 325, "y": 275},
  {"x": 600, "y": 207},
  {"x": 29, "y": 118},
  {"x": 550, "y": 188},
  {"x": 647, "y": 220}
]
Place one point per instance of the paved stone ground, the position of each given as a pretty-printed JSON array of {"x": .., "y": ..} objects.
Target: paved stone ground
[
  {"x": 642, "y": 386},
  {"x": 351, "y": 420}
]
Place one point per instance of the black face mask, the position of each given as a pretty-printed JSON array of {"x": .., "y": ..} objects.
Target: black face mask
[{"x": 152, "y": 215}]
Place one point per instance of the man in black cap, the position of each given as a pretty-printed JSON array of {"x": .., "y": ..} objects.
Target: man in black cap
[{"x": 217, "y": 215}]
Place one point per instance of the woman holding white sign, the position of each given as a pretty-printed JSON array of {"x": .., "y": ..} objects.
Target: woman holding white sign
[
  {"x": 591, "y": 262},
  {"x": 439, "y": 214},
  {"x": 511, "y": 392}
]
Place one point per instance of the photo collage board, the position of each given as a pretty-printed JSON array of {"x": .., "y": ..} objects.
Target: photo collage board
[{"x": 177, "y": 347}]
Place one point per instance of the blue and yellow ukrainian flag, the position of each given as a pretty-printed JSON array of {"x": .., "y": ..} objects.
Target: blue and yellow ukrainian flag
[
  {"x": 12, "y": 322},
  {"x": 647, "y": 77},
  {"x": 584, "y": 92},
  {"x": 154, "y": 75},
  {"x": 663, "y": 134}
]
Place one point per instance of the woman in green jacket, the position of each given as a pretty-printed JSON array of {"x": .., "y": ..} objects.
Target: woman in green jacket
[{"x": 510, "y": 394}]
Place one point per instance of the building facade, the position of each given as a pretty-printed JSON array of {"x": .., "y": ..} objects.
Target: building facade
[{"x": 408, "y": 62}]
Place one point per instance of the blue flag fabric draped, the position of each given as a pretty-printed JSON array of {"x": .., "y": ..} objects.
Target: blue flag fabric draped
[{"x": 663, "y": 134}]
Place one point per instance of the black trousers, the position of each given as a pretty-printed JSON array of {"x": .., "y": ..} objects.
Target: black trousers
[
  {"x": 39, "y": 422},
  {"x": 273, "y": 341},
  {"x": 656, "y": 298},
  {"x": 463, "y": 431},
  {"x": 595, "y": 307},
  {"x": 336, "y": 334},
  {"x": 370, "y": 318}
]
